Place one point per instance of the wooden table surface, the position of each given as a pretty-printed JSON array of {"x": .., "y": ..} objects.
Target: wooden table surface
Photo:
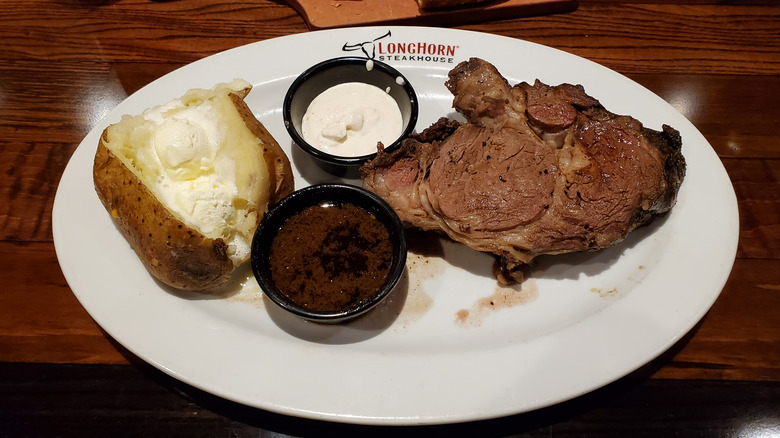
[{"x": 64, "y": 64}]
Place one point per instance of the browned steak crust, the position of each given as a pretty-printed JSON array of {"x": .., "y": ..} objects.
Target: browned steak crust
[{"x": 537, "y": 170}]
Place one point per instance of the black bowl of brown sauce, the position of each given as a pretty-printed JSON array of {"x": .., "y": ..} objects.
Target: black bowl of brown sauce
[{"x": 329, "y": 252}]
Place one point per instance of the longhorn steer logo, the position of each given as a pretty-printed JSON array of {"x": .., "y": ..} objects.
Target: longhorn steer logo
[
  {"x": 399, "y": 51},
  {"x": 366, "y": 46}
]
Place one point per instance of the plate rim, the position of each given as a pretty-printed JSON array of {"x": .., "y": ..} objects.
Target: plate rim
[{"x": 72, "y": 275}]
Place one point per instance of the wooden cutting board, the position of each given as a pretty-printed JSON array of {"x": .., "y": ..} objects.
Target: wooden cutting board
[{"x": 324, "y": 14}]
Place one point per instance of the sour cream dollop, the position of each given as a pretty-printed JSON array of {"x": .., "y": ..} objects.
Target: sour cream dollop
[{"x": 349, "y": 119}]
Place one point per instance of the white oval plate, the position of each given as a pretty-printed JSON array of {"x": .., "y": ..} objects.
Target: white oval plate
[{"x": 435, "y": 352}]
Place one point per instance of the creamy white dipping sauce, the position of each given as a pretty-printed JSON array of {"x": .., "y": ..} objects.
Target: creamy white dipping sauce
[{"x": 350, "y": 118}]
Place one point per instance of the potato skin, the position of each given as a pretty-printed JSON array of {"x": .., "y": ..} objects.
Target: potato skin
[
  {"x": 279, "y": 168},
  {"x": 173, "y": 252}
]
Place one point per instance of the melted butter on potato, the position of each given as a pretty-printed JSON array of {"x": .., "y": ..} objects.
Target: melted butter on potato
[
  {"x": 201, "y": 161},
  {"x": 182, "y": 145}
]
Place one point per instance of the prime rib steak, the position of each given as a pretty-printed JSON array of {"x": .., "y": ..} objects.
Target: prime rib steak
[{"x": 536, "y": 169}]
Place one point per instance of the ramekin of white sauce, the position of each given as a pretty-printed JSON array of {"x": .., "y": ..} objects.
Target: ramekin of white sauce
[
  {"x": 349, "y": 120},
  {"x": 338, "y": 110}
]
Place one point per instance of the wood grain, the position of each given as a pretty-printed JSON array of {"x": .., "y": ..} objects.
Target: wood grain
[
  {"x": 64, "y": 64},
  {"x": 40, "y": 318},
  {"x": 641, "y": 38},
  {"x": 65, "y": 401},
  {"x": 332, "y": 14},
  {"x": 669, "y": 38},
  {"x": 736, "y": 115},
  {"x": 43, "y": 322}
]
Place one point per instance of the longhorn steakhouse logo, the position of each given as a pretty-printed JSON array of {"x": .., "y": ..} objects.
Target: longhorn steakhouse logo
[{"x": 383, "y": 48}]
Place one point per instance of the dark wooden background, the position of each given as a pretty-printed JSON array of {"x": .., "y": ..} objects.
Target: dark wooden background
[{"x": 64, "y": 64}]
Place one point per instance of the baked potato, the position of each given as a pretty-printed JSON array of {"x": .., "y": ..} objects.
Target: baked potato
[{"x": 189, "y": 181}]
